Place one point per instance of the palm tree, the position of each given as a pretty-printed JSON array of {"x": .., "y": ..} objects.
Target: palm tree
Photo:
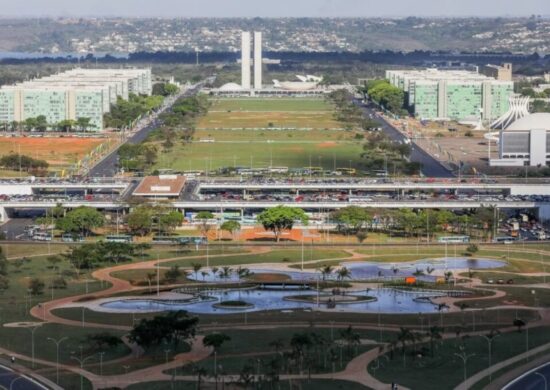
[
  {"x": 226, "y": 272},
  {"x": 343, "y": 273},
  {"x": 326, "y": 270},
  {"x": 214, "y": 271},
  {"x": 352, "y": 338},
  {"x": 434, "y": 333},
  {"x": 204, "y": 274},
  {"x": 196, "y": 268}
]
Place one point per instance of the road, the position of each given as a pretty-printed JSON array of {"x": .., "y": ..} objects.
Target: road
[
  {"x": 7, "y": 377},
  {"x": 430, "y": 166},
  {"x": 108, "y": 166},
  {"x": 532, "y": 380}
]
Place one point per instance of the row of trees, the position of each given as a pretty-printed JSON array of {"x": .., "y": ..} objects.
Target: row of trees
[
  {"x": 124, "y": 112},
  {"x": 24, "y": 163},
  {"x": 357, "y": 220},
  {"x": 40, "y": 123}
]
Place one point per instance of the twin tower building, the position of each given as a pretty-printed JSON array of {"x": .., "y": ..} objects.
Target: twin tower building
[{"x": 246, "y": 59}]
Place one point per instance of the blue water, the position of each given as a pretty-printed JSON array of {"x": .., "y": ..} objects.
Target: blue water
[
  {"x": 388, "y": 301},
  {"x": 370, "y": 270}
]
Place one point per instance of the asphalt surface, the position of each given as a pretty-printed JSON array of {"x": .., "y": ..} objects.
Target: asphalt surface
[
  {"x": 532, "y": 381},
  {"x": 108, "y": 167},
  {"x": 430, "y": 166},
  {"x": 7, "y": 377}
]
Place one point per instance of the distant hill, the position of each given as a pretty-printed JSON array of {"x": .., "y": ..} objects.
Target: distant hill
[{"x": 118, "y": 35}]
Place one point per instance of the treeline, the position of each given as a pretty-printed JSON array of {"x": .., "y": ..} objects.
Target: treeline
[
  {"x": 40, "y": 123},
  {"x": 28, "y": 164},
  {"x": 380, "y": 153},
  {"x": 125, "y": 112},
  {"x": 355, "y": 220},
  {"x": 177, "y": 125}
]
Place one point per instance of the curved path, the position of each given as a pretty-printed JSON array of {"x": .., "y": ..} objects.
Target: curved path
[{"x": 354, "y": 371}]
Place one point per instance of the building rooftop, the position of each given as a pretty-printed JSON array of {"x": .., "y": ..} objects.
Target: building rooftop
[
  {"x": 540, "y": 120},
  {"x": 162, "y": 186}
]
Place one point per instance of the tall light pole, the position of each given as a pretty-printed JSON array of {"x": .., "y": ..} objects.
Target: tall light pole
[
  {"x": 32, "y": 330},
  {"x": 490, "y": 338},
  {"x": 464, "y": 357},
  {"x": 81, "y": 361},
  {"x": 57, "y": 343}
]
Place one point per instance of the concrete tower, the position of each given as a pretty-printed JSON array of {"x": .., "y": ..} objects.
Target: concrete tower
[
  {"x": 245, "y": 60},
  {"x": 257, "y": 60}
]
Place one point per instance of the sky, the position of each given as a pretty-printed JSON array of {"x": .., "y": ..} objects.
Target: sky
[{"x": 273, "y": 8}]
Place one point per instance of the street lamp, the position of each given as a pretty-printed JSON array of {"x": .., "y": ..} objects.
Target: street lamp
[
  {"x": 32, "y": 330},
  {"x": 464, "y": 357},
  {"x": 490, "y": 338},
  {"x": 81, "y": 361},
  {"x": 57, "y": 343}
]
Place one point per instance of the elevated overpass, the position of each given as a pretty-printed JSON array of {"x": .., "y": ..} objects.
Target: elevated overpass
[{"x": 543, "y": 207}]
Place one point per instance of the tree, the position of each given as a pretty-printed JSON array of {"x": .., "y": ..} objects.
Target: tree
[
  {"x": 196, "y": 268},
  {"x": 66, "y": 125},
  {"x": 140, "y": 220},
  {"x": 82, "y": 219},
  {"x": 102, "y": 341},
  {"x": 83, "y": 123},
  {"x": 281, "y": 218},
  {"x": 472, "y": 249},
  {"x": 215, "y": 340},
  {"x": 351, "y": 219},
  {"x": 167, "y": 328},
  {"x": 343, "y": 273},
  {"x": 4, "y": 283},
  {"x": 519, "y": 323},
  {"x": 326, "y": 270},
  {"x": 434, "y": 333},
  {"x": 36, "y": 286},
  {"x": 203, "y": 217},
  {"x": 230, "y": 226},
  {"x": 173, "y": 274},
  {"x": 171, "y": 220}
]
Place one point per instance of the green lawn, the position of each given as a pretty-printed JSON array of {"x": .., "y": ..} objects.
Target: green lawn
[
  {"x": 444, "y": 370},
  {"x": 270, "y": 104},
  {"x": 211, "y": 156}
]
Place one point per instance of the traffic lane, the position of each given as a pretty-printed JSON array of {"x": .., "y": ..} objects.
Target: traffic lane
[
  {"x": 14, "y": 229},
  {"x": 7, "y": 378},
  {"x": 532, "y": 381},
  {"x": 430, "y": 166},
  {"x": 109, "y": 165}
]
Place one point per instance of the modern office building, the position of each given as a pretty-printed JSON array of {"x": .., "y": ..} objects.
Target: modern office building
[
  {"x": 500, "y": 72},
  {"x": 526, "y": 142},
  {"x": 245, "y": 60},
  {"x": 258, "y": 60},
  {"x": 77, "y": 93},
  {"x": 434, "y": 94}
]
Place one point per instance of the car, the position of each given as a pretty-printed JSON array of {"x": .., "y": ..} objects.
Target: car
[{"x": 490, "y": 281}]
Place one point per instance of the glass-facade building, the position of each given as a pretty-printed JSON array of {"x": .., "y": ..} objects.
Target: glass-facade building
[
  {"x": 77, "y": 93},
  {"x": 452, "y": 95}
]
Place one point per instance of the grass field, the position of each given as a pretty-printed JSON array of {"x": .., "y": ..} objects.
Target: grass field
[
  {"x": 295, "y": 133},
  {"x": 210, "y": 156},
  {"x": 58, "y": 152},
  {"x": 270, "y": 112}
]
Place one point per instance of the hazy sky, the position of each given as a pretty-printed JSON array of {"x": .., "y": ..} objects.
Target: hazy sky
[{"x": 273, "y": 8}]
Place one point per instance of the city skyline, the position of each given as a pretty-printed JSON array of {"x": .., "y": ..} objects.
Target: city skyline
[{"x": 283, "y": 8}]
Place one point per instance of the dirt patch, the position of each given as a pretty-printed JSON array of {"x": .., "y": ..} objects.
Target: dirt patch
[{"x": 326, "y": 145}]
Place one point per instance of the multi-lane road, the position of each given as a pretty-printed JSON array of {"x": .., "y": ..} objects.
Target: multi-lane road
[
  {"x": 108, "y": 166},
  {"x": 430, "y": 166},
  {"x": 14, "y": 381},
  {"x": 536, "y": 379}
]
